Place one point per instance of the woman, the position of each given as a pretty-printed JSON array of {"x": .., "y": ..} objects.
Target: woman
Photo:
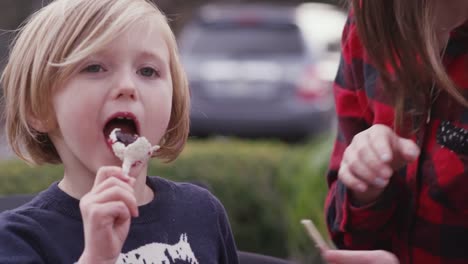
[{"x": 399, "y": 169}]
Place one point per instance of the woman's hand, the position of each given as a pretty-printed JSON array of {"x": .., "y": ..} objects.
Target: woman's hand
[
  {"x": 371, "y": 159},
  {"x": 359, "y": 257},
  {"x": 107, "y": 210}
]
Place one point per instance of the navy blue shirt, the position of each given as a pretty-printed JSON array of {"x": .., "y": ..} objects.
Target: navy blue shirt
[{"x": 183, "y": 224}]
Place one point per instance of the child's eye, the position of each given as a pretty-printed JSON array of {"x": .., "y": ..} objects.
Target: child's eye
[
  {"x": 93, "y": 68},
  {"x": 148, "y": 72}
]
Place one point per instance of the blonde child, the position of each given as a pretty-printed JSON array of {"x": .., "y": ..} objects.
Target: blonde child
[{"x": 77, "y": 70}]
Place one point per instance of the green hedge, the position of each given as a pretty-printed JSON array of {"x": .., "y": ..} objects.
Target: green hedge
[{"x": 267, "y": 187}]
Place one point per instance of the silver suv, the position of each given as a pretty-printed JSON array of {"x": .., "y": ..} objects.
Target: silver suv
[{"x": 252, "y": 74}]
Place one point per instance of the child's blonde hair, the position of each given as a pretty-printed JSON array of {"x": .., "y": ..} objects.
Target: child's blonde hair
[{"x": 45, "y": 53}]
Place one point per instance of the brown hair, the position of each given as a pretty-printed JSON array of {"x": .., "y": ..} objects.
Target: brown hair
[
  {"x": 401, "y": 35},
  {"x": 45, "y": 53}
]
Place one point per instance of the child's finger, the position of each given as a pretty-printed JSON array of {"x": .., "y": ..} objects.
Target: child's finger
[
  {"x": 107, "y": 172},
  {"x": 110, "y": 182},
  {"x": 116, "y": 193},
  {"x": 115, "y": 211}
]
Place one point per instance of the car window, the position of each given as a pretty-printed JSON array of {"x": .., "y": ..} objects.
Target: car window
[{"x": 239, "y": 40}]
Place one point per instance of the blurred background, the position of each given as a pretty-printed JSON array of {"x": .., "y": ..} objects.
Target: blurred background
[{"x": 262, "y": 117}]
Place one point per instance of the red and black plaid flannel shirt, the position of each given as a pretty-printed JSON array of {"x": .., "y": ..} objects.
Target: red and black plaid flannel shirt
[{"x": 423, "y": 215}]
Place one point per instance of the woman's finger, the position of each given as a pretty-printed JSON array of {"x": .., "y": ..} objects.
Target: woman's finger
[
  {"x": 408, "y": 150},
  {"x": 381, "y": 138},
  {"x": 374, "y": 158},
  {"x": 358, "y": 167},
  {"x": 359, "y": 257},
  {"x": 362, "y": 159},
  {"x": 350, "y": 180}
]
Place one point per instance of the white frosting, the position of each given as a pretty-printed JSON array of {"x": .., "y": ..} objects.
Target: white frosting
[
  {"x": 117, "y": 147},
  {"x": 137, "y": 152}
]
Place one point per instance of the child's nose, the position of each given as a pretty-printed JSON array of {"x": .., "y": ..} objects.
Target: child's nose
[{"x": 126, "y": 87}]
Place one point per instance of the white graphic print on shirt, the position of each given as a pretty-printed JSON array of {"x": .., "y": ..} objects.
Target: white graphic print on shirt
[{"x": 158, "y": 253}]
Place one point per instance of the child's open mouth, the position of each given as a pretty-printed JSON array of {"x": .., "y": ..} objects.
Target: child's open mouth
[
  {"x": 124, "y": 141},
  {"x": 127, "y": 125}
]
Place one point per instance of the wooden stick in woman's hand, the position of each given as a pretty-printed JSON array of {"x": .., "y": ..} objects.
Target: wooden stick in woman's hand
[{"x": 314, "y": 234}]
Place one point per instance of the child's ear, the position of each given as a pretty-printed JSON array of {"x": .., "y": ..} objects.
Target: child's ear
[{"x": 42, "y": 125}]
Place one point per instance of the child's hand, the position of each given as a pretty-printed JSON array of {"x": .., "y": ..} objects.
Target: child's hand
[
  {"x": 107, "y": 210},
  {"x": 359, "y": 257},
  {"x": 371, "y": 159}
]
